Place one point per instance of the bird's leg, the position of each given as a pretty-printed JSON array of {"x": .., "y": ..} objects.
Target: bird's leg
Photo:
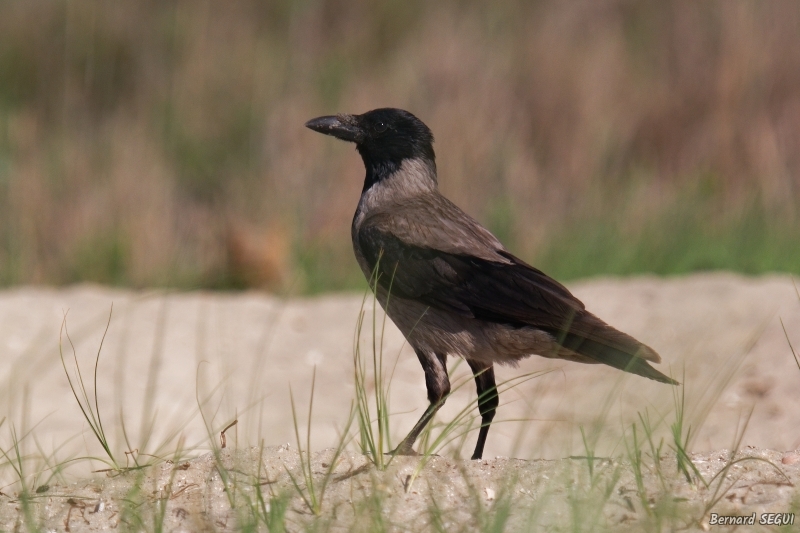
[
  {"x": 438, "y": 385},
  {"x": 488, "y": 400}
]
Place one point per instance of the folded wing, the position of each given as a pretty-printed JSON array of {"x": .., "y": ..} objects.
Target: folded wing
[{"x": 495, "y": 286}]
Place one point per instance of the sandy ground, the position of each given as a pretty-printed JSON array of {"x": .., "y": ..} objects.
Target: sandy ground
[
  {"x": 238, "y": 354},
  {"x": 214, "y": 493},
  {"x": 163, "y": 349}
]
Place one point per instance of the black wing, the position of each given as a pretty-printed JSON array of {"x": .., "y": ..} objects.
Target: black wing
[{"x": 511, "y": 292}]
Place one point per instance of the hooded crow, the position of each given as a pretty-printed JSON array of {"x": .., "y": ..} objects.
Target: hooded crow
[{"x": 449, "y": 285}]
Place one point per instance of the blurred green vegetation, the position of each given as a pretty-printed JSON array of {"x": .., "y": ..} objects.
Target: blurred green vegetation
[
  {"x": 162, "y": 143},
  {"x": 676, "y": 240}
]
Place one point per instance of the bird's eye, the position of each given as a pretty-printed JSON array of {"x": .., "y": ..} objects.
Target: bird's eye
[{"x": 380, "y": 127}]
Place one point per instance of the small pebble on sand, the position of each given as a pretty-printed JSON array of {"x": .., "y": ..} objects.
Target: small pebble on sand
[{"x": 791, "y": 458}]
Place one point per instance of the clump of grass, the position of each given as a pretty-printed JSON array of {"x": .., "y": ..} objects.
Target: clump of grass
[
  {"x": 373, "y": 426},
  {"x": 255, "y": 508},
  {"x": 681, "y": 437},
  {"x": 268, "y": 509},
  {"x": 370, "y": 510},
  {"x": 253, "y": 512},
  {"x": 89, "y": 405},
  {"x": 634, "y": 452},
  {"x": 90, "y": 409},
  {"x": 17, "y": 460},
  {"x": 655, "y": 449},
  {"x": 495, "y": 516},
  {"x": 311, "y": 492},
  {"x": 586, "y": 504},
  {"x": 131, "y": 511},
  {"x": 590, "y": 456}
]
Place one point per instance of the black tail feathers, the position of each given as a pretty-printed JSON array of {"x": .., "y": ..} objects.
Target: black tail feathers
[{"x": 614, "y": 357}]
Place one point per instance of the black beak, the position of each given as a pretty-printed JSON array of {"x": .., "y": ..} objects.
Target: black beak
[{"x": 344, "y": 127}]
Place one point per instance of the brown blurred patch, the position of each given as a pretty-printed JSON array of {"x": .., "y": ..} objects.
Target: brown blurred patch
[{"x": 258, "y": 256}]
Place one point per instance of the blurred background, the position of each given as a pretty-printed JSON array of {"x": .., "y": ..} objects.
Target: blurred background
[{"x": 161, "y": 143}]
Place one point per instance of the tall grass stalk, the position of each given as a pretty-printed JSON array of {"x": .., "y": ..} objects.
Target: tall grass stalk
[
  {"x": 91, "y": 413},
  {"x": 655, "y": 449},
  {"x": 786, "y": 333},
  {"x": 634, "y": 452},
  {"x": 682, "y": 437},
  {"x": 590, "y": 456}
]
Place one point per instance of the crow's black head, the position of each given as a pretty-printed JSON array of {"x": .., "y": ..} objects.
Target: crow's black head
[{"x": 383, "y": 137}]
